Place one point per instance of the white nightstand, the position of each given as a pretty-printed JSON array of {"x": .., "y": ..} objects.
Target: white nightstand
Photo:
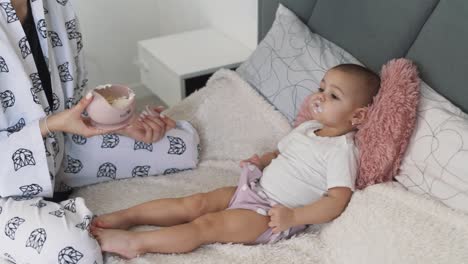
[{"x": 167, "y": 62}]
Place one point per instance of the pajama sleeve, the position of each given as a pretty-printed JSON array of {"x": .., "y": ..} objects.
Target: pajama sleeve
[{"x": 24, "y": 166}]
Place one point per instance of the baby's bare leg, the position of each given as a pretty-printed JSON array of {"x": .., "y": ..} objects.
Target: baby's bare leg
[
  {"x": 167, "y": 212},
  {"x": 237, "y": 226}
]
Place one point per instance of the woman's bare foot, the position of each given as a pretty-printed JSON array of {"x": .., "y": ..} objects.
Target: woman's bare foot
[
  {"x": 115, "y": 220},
  {"x": 120, "y": 242}
]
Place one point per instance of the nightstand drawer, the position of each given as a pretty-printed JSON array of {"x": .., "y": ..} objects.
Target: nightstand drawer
[{"x": 159, "y": 79}]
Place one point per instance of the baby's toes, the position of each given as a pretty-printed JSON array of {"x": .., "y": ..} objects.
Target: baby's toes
[{"x": 95, "y": 231}]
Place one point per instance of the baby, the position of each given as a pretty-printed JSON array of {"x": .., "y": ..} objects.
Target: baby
[{"x": 308, "y": 180}]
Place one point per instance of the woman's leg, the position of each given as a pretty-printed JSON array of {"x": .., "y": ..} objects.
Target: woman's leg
[
  {"x": 236, "y": 226},
  {"x": 168, "y": 212},
  {"x": 38, "y": 231}
]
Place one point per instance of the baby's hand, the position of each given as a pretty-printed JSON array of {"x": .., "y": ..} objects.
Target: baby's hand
[
  {"x": 281, "y": 218},
  {"x": 260, "y": 162},
  {"x": 255, "y": 160}
]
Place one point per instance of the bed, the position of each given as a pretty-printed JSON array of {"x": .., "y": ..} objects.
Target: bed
[{"x": 384, "y": 223}]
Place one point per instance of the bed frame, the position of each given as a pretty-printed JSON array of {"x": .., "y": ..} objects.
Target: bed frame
[{"x": 432, "y": 33}]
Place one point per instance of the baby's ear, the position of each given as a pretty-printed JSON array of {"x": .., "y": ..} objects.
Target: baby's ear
[{"x": 359, "y": 116}]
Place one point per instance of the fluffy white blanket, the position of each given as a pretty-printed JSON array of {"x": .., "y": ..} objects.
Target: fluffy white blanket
[{"x": 382, "y": 224}]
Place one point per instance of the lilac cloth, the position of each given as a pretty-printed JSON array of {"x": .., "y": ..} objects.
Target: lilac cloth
[{"x": 250, "y": 196}]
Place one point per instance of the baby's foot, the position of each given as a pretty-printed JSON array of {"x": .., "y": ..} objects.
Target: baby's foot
[
  {"x": 116, "y": 241},
  {"x": 116, "y": 220}
]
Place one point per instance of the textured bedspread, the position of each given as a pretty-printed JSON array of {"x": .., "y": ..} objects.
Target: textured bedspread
[{"x": 382, "y": 224}]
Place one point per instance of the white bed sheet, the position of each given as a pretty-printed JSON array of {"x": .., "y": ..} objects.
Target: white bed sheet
[{"x": 382, "y": 224}]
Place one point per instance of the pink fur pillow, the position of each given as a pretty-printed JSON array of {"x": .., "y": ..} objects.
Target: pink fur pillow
[
  {"x": 382, "y": 139},
  {"x": 304, "y": 112}
]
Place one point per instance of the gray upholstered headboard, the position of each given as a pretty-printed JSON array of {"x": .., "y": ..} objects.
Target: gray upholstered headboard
[{"x": 432, "y": 33}]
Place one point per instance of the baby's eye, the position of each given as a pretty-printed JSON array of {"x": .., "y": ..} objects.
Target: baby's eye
[
  {"x": 335, "y": 97},
  {"x": 320, "y": 90}
]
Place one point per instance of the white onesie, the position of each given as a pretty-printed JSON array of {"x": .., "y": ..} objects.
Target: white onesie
[{"x": 308, "y": 165}]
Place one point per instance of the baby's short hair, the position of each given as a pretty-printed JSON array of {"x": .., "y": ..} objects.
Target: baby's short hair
[{"x": 371, "y": 78}]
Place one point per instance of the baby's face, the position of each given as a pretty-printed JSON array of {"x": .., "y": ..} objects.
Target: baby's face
[{"x": 337, "y": 99}]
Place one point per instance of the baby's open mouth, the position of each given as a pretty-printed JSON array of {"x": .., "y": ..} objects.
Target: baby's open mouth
[{"x": 317, "y": 108}]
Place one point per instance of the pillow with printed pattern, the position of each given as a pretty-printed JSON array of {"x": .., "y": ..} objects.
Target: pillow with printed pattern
[
  {"x": 290, "y": 62},
  {"x": 435, "y": 163}
]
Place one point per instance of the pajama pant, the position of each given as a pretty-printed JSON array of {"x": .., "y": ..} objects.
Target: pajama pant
[
  {"x": 249, "y": 195},
  {"x": 38, "y": 231}
]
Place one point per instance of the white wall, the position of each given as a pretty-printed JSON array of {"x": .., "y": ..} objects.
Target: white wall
[
  {"x": 236, "y": 18},
  {"x": 111, "y": 29},
  {"x": 175, "y": 16}
]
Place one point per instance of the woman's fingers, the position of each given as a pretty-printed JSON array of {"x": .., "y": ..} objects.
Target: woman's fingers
[
  {"x": 156, "y": 112},
  {"x": 156, "y": 125},
  {"x": 148, "y": 135},
  {"x": 155, "y": 109},
  {"x": 94, "y": 131},
  {"x": 156, "y": 120},
  {"x": 83, "y": 103},
  {"x": 170, "y": 123}
]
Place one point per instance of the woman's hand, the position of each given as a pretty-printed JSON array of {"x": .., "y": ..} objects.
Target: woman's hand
[
  {"x": 72, "y": 121},
  {"x": 281, "y": 218},
  {"x": 149, "y": 127}
]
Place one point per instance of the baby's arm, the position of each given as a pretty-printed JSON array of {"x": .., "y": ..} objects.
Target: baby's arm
[
  {"x": 261, "y": 161},
  {"x": 267, "y": 157},
  {"x": 324, "y": 210}
]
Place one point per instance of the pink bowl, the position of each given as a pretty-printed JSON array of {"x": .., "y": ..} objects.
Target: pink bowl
[{"x": 105, "y": 114}]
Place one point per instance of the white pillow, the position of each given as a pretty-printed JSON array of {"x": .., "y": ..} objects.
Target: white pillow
[
  {"x": 290, "y": 62},
  {"x": 436, "y": 161},
  {"x": 233, "y": 120},
  {"x": 112, "y": 157}
]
